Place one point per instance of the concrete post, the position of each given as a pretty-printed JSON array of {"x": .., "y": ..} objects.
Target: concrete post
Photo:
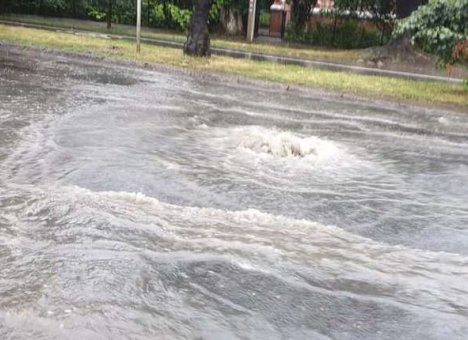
[
  {"x": 138, "y": 26},
  {"x": 251, "y": 21}
]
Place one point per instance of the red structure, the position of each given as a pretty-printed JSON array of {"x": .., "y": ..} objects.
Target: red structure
[{"x": 280, "y": 16}]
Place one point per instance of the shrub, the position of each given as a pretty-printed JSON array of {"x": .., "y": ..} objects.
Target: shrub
[
  {"x": 158, "y": 16},
  {"x": 437, "y": 28},
  {"x": 349, "y": 25},
  {"x": 265, "y": 18},
  {"x": 96, "y": 14},
  {"x": 180, "y": 16},
  {"x": 342, "y": 33}
]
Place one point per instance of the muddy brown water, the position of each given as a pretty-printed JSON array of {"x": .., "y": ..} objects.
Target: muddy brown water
[{"x": 139, "y": 204}]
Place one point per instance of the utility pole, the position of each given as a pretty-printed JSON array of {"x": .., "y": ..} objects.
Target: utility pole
[
  {"x": 138, "y": 26},
  {"x": 251, "y": 20}
]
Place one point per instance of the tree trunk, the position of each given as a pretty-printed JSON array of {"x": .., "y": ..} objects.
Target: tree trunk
[
  {"x": 109, "y": 14},
  {"x": 198, "y": 41}
]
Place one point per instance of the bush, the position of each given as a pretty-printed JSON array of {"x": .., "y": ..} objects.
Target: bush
[
  {"x": 265, "y": 18},
  {"x": 180, "y": 16},
  {"x": 437, "y": 28},
  {"x": 348, "y": 25},
  {"x": 158, "y": 16},
  {"x": 346, "y": 33},
  {"x": 96, "y": 14},
  {"x": 171, "y": 14}
]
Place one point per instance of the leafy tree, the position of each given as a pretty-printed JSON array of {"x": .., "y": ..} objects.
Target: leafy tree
[
  {"x": 438, "y": 28},
  {"x": 349, "y": 25},
  {"x": 382, "y": 12}
]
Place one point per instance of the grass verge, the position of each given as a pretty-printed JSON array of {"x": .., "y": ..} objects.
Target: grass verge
[
  {"x": 425, "y": 93},
  {"x": 281, "y": 49}
]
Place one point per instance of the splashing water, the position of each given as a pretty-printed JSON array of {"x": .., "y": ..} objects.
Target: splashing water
[
  {"x": 138, "y": 204},
  {"x": 286, "y": 144}
]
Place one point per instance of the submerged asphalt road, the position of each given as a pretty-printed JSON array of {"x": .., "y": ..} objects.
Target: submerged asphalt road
[{"x": 140, "y": 204}]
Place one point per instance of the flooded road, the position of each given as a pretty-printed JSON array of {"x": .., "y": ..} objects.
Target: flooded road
[{"x": 137, "y": 204}]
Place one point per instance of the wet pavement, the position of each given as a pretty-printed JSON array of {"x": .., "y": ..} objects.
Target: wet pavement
[{"x": 138, "y": 204}]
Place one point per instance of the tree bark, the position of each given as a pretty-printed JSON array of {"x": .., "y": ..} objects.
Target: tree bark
[
  {"x": 109, "y": 14},
  {"x": 198, "y": 40}
]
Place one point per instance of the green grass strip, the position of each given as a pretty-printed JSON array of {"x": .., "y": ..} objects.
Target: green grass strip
[{"x": 419, "y": 92}]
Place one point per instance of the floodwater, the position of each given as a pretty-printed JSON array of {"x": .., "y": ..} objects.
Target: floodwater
[{"x": 137, "y": 204}]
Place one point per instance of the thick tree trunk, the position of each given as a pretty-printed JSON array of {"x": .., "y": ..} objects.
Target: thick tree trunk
[
  {"x": 198, "y": 41},
  {"x": 109, "y": 14},
  {"x": 404, "y": 8}
]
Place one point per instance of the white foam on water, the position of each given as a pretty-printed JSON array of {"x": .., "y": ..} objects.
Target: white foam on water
[
  {"x": 306, "y": 229},
  {"x": 248, "y": 144},
  {"x": 443, "y": 120},
  {"x": 259, "y": 150},
  {"x": 285, "y": 144},
  {"x": 31, "y": 324},
  {"x": 405, "y": 275}
]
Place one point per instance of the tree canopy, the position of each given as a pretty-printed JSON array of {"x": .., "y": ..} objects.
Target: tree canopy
[{"x": 440, "y": 28}]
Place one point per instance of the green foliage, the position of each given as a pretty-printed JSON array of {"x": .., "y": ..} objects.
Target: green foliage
[
  {"x": 54, "y": 5},
  {"x": 169, "y": 15},
  {"x": 347, "y": 33},
  {"x": 96, "y": 14},
  {"x": 350, "y": 24},
  {"x": 180, "y": 16},
  {"x": 158, "y": 16},
  {"x": 265, "y": 18},
  {"x": 44, "y": 7},
  {"x": 215, "y": 10},
  {"x": 437, "y": 27}
]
